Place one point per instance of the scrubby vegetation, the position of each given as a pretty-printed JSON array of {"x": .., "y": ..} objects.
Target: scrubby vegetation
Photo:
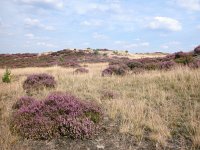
[
  {"x": 115, "y": 70},
  {"x": 39, "y": 81},
  {"x": 64, "y": 58},
  {"x": 165, "y": 105},
  {"x": 159, "y": 108},
  {"x": 7, "y": 76},
  {"x": 190, "y": 59},
  {"x": 57, "y": 115}
]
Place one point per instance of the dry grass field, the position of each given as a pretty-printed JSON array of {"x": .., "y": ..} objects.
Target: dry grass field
[{"x": 157, "y": 107}]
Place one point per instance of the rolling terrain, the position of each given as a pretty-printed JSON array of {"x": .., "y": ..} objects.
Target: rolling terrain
[{"x": 152, "y": 109}]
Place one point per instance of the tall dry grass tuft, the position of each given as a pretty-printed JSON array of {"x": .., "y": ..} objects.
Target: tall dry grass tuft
[{"x": 158, "y": 106}]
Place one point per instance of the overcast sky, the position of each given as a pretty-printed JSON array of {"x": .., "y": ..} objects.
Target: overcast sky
[{"x": 134, "y": 25}]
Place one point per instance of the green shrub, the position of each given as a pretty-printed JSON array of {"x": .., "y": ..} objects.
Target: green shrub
[
  {"x": 115, "y": 52},
  {"x": 96, "y": 52},
  {"x": 105, "y": 54},
  {"x": 7, "y": 76}
]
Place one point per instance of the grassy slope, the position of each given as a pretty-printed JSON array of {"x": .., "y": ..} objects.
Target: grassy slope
[{"x": 163, "y": 107}]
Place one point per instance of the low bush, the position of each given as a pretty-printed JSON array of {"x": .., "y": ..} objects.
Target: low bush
[
  {"x": 183, "y": 58},
  {"x": 121, "y": 69},
  {"x": 166, "y": 65},
  {"x": 107, "y": 72},
  {"x": 58, "y": 115},
  {"x": 168, "y": 62},
  {"x": 96, "y": 52},
  {"x": 151, "y": 66},
  {"x": 134, "y": 64},
  {"x": 39, "y": 81},
  {"x": 23, "y": 101},
  {"x": 7, "y": 76},
  {"x": 179, "y": 54},
  {"x": 81, "y": 70},
  {"x": 195, "y": 64},
  {"x": 197, "y": 50}
]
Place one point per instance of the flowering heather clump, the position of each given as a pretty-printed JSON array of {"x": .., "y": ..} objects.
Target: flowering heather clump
[
  {"x": 194, "y": 64},
  {"x": 166, "y": 65},
  {"x": 38, "y": 81},
  {"x": 57, "y": 115},
  {"x": 81, "y": 70},
  {"x": 115, "y": 70},
  {"x": 180, "y": 55},
  {"x": 151, "y": 66},
  {"x": 23, "y": 101},
  {"x": 107, "y": 72},
  {"x": 197, "y": 50},
  {"x": 134, "y": 64}
]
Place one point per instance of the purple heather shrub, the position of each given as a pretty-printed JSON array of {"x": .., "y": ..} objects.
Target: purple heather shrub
[
  {"x": 134, "y": 64},
  {"x": 194, "y": 64},
  {"x": 23, "y": 101},
  {"x": 38, "y": 81},
  {"x": 60, "y": 114},
  {"x": 180, "y": 54},
  {"x": 166, "y": 65},
  {"x": 107, "y": 72},
  {"x": 81, "y": 70},
  {"x": 121, "y": 69},
  {"x": 197, "y": 50},
  {"x": 169, "y": 57},
  {"x": 151, "y": 66},
  {"x": 147, "y": 60}
]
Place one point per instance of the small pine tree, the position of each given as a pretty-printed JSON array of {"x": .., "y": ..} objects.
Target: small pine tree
[{"x": 7, "y": 76}]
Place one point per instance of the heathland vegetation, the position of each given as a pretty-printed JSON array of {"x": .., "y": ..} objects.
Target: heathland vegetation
[{"x": 120, "y": 103}]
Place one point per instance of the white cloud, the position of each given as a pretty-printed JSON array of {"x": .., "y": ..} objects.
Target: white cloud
[
  {"x": 165, "y": 23},
  {"x": 30, "y": 35},
  {"x": 171, "y": 44},
  {"x": 193, "y": 5},
  {"x": 83, "y": 8},
  {"x": 120, "y": 42},
  {"x": 144, "y": 44},
  {"x": 137, "y": 39},
  {"x": 174, "y": 43},
  {"x": 164, "y": 46},
  {"x": 45, "y": 44},
  {"x": 29, "y": 22},
  {"x": 99, "y": 36},
  {"x": 136, "y": 45},
  {"x": 86, "y": 43},
  {"x": 129, "y": 45},
  {"x": 59, "y": 4},
  {"x": 92, "y": 23}
]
